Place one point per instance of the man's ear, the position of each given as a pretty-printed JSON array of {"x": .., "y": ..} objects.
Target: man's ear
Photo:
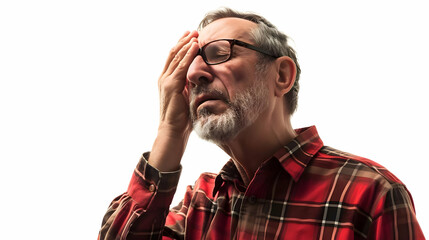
[{"x": 286, "y": 69}]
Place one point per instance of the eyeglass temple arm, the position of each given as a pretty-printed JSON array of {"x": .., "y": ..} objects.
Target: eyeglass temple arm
[{"x": 246, "y": 45}]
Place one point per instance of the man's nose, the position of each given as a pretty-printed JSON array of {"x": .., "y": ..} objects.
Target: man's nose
[{"x": 199, "y": 72}]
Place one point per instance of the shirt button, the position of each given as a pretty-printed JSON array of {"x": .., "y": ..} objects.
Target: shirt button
[
  {"x": 252, "y": 199},
  {"x": 152, "y": 188}
]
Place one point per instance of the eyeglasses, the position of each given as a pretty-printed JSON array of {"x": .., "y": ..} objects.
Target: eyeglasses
[{"x": 220, "y": 50}]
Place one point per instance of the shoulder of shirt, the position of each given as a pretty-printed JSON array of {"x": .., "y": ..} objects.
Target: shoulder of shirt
[
  {"x": 208, "y": 176},
  {"x": 205, "y": 179},
  {"x": 329, "y": 153},
  {"x": 205, "y": 183}
]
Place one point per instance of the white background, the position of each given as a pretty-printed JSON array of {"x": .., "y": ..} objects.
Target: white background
[{"x": 79, "y": 99}]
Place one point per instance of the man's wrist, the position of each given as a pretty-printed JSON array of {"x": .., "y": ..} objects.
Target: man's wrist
[
  {"x": 168, "y": 149},
  {"x": 174, "y": 132}
]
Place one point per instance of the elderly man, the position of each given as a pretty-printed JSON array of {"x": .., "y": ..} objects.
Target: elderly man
[{"x": 235, "y": 82}]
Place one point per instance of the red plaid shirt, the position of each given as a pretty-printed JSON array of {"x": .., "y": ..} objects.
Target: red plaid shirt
[{"x": 305, "y": 191}]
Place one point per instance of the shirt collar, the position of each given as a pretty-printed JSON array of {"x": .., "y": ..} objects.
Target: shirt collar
[{"x": 293, "y": 157}]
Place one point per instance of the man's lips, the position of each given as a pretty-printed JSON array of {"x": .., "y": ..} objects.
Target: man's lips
[
  {"x": 205, "y": 98},
  {"x": 208, "y": 97}
]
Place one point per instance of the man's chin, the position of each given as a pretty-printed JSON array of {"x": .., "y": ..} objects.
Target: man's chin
[
  {"x": 203, "y": 119},
  {"x": 216, "y": 128}
]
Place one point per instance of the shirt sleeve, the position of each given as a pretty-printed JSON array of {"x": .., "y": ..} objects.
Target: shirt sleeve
[
  {"x": 140, "y": 213},
  {"x": 397, "y": 218}
]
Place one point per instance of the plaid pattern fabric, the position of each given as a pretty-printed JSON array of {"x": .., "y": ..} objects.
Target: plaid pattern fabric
[{"x": 305, "y": 191}]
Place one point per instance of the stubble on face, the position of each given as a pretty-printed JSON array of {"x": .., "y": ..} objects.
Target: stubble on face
[{"x": 242, "y": 111}]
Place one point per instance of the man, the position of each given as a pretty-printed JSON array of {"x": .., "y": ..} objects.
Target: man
[{"x": 235, "y": 82}]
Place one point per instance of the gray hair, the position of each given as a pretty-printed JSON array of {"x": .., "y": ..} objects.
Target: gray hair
[{"x": 267, "y": 37}]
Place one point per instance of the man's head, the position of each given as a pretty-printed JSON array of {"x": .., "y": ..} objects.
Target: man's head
[
  {"x": 267, "y": 37},
  {"x": 231, "y": 94}
]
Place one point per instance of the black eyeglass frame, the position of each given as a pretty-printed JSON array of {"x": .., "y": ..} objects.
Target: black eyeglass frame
[{"x": 232, "y": 42}]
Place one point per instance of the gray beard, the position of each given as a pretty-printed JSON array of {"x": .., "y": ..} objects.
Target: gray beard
[{"x": 241, "y": 113}]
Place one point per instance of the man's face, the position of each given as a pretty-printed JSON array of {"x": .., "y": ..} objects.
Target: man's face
[{"x": 227, "y": 97}]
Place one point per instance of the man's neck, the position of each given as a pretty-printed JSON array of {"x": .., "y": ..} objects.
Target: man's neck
[{"x": 256, "y": 144}]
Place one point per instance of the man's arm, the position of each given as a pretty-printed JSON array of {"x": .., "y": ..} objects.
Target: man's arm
[
  {"x": 141, "y": 211},
  {"x": 175, "y": 126}
]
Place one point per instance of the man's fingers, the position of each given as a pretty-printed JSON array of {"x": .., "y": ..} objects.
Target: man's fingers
[
  {"x": 182, "y": 41},
  {"x": 187, "y": 58},
  {"x": 186, "y": 38},
  {"x": 178, "y": 59}
]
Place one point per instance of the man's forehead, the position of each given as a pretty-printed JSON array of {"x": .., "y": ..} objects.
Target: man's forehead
[{"x": 236, "y": 28}]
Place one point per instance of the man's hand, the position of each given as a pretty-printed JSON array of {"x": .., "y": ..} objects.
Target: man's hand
[
  {"x": 175, "y": 126},
  {"x": 173, "y": 96}
]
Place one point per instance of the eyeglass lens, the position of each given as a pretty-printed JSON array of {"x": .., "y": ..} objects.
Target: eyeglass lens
[{"x": 217, "y": 51}]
